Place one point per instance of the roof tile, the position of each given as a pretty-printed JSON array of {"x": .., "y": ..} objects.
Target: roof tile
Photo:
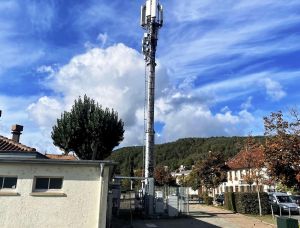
[{"x": 7, "y": 144}]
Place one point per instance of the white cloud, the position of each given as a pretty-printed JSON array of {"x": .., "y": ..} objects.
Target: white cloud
[
  {"x": 247, "y": 104},
  {"x": 273, "y": 89},
  {"x": 14, "y": 111},
  {"x": 205, "y": 37},
  {"x": 114, "y": 77},
  {"x": 45, "y": 111},
  {"x": 198, "y": 120},
  {"x": 102, "y": 37},
  {"x": 45, "y": 69}
]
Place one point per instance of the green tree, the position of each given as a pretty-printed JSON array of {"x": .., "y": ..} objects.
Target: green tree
[
  {"x": 88, "y": 130},
  {"x": 193, "y": 180}
]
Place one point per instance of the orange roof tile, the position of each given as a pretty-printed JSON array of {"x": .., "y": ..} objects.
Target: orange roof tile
[
  {"x": 61, "y": 157},
  {"x": 246, "y": 159},
  {"x": 7, "y": 145}
]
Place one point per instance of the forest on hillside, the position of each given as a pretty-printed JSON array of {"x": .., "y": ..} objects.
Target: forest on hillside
[{"x": 184, "y": 151}]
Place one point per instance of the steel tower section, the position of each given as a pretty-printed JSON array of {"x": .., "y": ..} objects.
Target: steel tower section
[{"x": 151, "y": 21}]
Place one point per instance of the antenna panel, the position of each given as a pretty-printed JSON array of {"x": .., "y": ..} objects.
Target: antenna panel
[
  {"x": 160, "y": 14},
  {"x": 143, "y": 15},
  {"x": 153, "y": 8},
  {"x": 148, "y": 8}
]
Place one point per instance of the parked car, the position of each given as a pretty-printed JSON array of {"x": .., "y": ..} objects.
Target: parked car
[
  {"x": 220, "y": 199},
  {"x": 284, "y": 201},
  {"x": 296, "y": 199}
]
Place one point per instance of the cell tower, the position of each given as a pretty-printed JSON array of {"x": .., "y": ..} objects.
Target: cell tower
[{"x": 151, "y": 21}]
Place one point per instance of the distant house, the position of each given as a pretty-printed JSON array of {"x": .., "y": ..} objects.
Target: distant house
[
  {"x": 240, "y": 166},
  {"x": 181, "y": 174}
]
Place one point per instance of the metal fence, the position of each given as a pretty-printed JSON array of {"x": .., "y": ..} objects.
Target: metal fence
[{"x": 169, "y": 201}]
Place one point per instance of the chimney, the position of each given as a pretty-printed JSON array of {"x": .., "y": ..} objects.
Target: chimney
[{"x": 16, "y": 132}]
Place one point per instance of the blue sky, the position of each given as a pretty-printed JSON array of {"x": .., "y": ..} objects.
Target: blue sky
[{"x": 222, "y": 65}]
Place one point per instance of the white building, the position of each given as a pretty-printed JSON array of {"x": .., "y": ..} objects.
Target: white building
[
  {"x": 53, "y": 193},
  {"x": 180, "y": 175},
  {"x": 241, "y": 165}
]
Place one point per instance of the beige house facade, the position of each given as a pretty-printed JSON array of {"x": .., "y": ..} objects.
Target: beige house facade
[
  {"x": 242, "y": 168},
  {"x": 38, "y": 193},
  {"x": 236, "y": 182}
]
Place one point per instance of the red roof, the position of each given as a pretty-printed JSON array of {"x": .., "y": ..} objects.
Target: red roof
[
  {"x": 7, "y": 145},
  {"x": 247, "y": 159}
]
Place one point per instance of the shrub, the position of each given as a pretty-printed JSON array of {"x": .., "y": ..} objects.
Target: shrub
[
  {"x": 229, "y": 201},
  {"x": 247, "y": 202},
  {"x": 208, "y": 200}
]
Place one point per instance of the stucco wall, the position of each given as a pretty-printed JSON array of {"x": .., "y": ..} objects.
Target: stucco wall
[{"x": 79, "y": 208}]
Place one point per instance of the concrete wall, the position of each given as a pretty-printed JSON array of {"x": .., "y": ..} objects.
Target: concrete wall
[{"x": 79, "y": 207}]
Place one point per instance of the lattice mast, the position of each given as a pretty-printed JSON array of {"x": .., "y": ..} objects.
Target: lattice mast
[{"x": 151, "y": 21}]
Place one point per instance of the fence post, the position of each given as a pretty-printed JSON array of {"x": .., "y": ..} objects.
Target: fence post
[
  {"x": 273, "y": 211},
  {"x": 280, "y": 210},
  {"x": 289, "y": 212}
]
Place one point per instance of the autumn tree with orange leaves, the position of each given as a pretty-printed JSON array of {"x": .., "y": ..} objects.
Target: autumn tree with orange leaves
[
  {"x": 252, "y": 157},
  {"x": 163, "y": 176},
  {"x": 282, "y": 150}
]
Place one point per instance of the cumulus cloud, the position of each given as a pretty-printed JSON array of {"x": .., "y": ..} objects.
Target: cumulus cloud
[
  {"x": 45, "y": 111},
  {"x": 190, "y": 121},
  {"x": 114, "y": 77}
]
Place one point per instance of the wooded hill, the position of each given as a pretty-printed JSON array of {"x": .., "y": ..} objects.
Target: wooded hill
[{"x": 184, "y": 151}]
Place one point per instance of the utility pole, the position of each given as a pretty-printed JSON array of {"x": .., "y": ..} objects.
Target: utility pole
[{"x": 151, "y": 21}]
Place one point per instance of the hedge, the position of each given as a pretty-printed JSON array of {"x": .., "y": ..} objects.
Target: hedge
[
  {"x": 229, "y": 201},
  {"x": 247, "y": 203}
]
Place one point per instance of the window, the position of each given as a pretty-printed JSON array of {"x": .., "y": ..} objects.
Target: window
[
  {"x": 230, "y": 176},
  {"x": 48, "y": 183},
  {"x": 8, "y": 182},
  {"x": 235, "y": 175}
]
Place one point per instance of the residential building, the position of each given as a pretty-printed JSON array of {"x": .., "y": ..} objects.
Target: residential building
[
  {"x": 180, "y": 175},
  {"x": 12, "y": 148},
  {"x": 51, "y": 190},
  {"x": 54, "y": 193},
  {"x": 240, "y": 167}
]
